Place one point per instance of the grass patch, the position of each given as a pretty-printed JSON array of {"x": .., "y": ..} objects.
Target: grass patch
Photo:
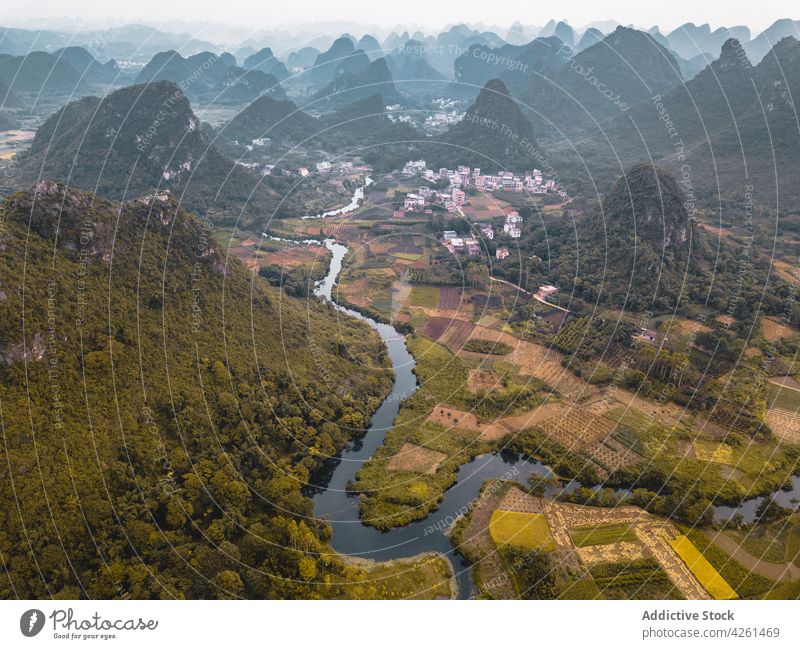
[
  {"x": 783, "y": 397},
  {"x": 423, "y": 577},
  {"x": 407, "y": 256},
  {"x": 706, "y": 574},
  {"x": 601, "y": 535},
  {"x": 424, "y": 296},
  {"x": 709, "y": 451},
  {"x": 640, "y": 579},
  {"x": 763, "y": 465},
  {"x": 776, "y": 543},
  {"x": 529, "y": 531}
]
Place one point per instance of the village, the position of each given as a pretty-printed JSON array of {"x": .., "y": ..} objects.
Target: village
[
  {"x": 454, "y": 195},
  {"x": 464, "y": 178}
]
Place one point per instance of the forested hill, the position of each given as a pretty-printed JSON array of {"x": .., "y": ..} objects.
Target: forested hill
[
  {"x": 643, "y": 250},
  {"x": 140, "y": 139},
  {"x": 493, "y": 135},
  {"x": 161, "y": 408}
]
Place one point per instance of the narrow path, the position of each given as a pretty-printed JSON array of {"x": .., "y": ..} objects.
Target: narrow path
[
  {"x": 774, "y": 571},
  {"x": 533, "y": 295}
]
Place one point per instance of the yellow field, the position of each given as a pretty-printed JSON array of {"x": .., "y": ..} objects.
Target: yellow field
[
  {"x": 713, "y": 452},
  {"x": 521, "y": 529},
  {"x": 706, "y": 574}
]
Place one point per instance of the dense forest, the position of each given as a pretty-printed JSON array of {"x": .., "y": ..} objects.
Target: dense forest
[{"x": 162, "y": 407}]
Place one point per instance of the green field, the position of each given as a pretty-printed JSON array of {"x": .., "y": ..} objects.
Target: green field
[
  {"x": 601, "y": 535},
  {"x": 777, "y": 543},
  {"x": 529, "y": 531},
  {"x": 408, "y": 256},
  {"x": 424, "y": 296},
  {"x": 640, "y": 579},
  {"x": 783, "y": 397}
]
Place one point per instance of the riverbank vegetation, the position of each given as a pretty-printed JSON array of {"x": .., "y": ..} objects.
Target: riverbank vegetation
[{"x": 393, "y": 498}]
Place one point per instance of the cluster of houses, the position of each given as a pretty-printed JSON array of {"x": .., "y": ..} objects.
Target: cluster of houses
[
  {"x": 464, "y": 177},
  {"x": 326, "y": 167},
  {"x": 511, "y": 227},
  {"x": 452, "y": 198},
  {"x": 443, "y": 118},
  {"x": 454, "y": 243}
]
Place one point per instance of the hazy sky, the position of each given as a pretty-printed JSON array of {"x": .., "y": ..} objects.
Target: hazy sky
[{"x": 264, "y": 14}]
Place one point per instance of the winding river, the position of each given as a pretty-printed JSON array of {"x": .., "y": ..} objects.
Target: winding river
[
  {"x": 329, "y": 491},
  {"x": 331, "y": 500}
]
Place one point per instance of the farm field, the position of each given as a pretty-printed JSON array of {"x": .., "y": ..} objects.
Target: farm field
[
  {"x": 620, "y": 552},
  {"x": 705, "y": 573},
  {"x": 785, "y": 424},
  {"x": 450, "y": 298},
  {"x": 777, "y": 544},
  {"x": 415, "y": 458},
  {"x": 774, "y": 328},
  {"x": 447, "y": 331},
  {"x": 601, "y": 535},
  {"x": 521, "y": 529},
  {"x": 424, "y": 296}
]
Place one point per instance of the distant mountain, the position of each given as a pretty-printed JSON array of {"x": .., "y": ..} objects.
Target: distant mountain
[
  {"x": 19, "y": 42},
  {"x": 732, "y": 129},
  {"x": 194, "y": 74},
  {"x": 264, "y": 61},
  {"x": 267, "y": 117},
  {"x": 561, "y": 30},
  {"x": 138, "y": 42},
  {"x": 140, "y": 139},
  {"x": 88, "y": 66},
  {"x": 590, "y": 37},
  {"x": 7, "y": 98},
  {"x": 516, "y": 35},
  {"x": 409, "y": 63},
  {"x": 41, "y": 72},
  {"x": 692, "y": 67},
  {"x": 353, "y": 64},
  {"x": 758, "y": 48},
  {"x": 240, "y": 86},
  {"x": 447, "y": 46},
  {"x": 129, "y": 42},
  {"x": 363, "y": 118},
  {"x": 601, "y": 82},
  {"x": 513, "y": 64},
  {"x": 303, "y": 58},
  {"x": 359, "y": 125},
  {"x": 7, "y": 121},
  {"x": 394, "y": 40},
  {"x": 334, "y": 61},
  {"x": 689, "y": 40},
  {"x": 494, "y": 135},
  {"x": 565, "y": 33},
  {"x": 370, "y": 46},
  {"x": 347, "y": 87}
]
